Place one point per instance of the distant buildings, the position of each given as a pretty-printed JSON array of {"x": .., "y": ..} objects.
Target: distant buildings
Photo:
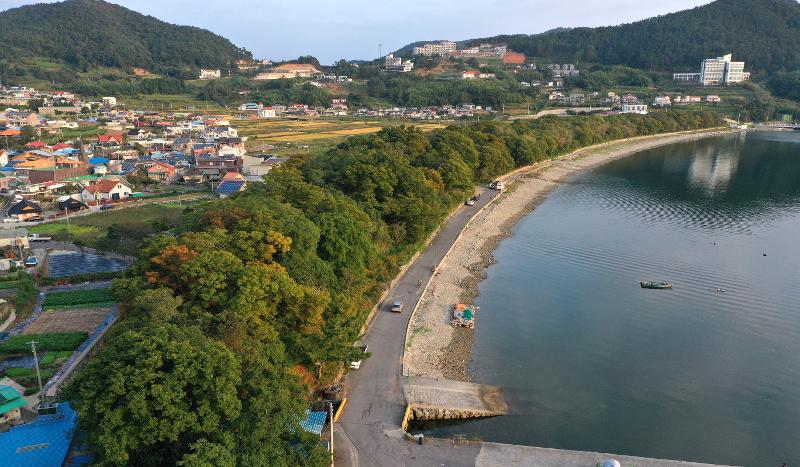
[
  {"x": 289, "y": 70},
  {"x": 640, "y": 109},
  {"x": 442, "y": 48},
  {"x": 476, "y": 75},
  {"x": 450, "y": 49},
  {"x": 210, "y": 74},
  {"x": 662, "y": 101},
  {"x": 716, "y": 72},
  {"x": 564, "y": 71},
  {"x": 394, "y": 64}
]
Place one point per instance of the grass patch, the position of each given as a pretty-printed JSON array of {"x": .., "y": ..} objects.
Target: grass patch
[
  {"x": 52, "y": 357},
  {"x": 8, "y": 285},
  {"x": 90, "y": 277},
  {"x": 14, "y": 276},
  {"x": 79, "y": 299},
  {"x": 26, "y": 297},
  {"x": 52, "y": 341},
  {"x": 118, "y": 230}
]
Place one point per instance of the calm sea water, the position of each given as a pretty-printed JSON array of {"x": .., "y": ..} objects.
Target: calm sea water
[{"x": 590, "y": 361}]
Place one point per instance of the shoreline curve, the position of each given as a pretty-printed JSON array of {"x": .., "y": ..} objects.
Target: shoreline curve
[{"x": 435, "y": 349}]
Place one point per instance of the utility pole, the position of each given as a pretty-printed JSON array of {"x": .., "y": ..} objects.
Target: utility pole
[
  {"x": 330, "y": 415},
  {"x": 38, "y": 374}
]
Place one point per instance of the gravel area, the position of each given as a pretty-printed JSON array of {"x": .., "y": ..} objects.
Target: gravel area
[{"x": 434, "y": 348}]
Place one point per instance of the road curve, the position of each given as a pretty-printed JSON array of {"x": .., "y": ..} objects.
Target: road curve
[{"x": 369, "y": 432}]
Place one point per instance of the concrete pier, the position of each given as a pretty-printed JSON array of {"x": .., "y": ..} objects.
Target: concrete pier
[
  {"x": 504, "y": 455},
  {"x": 441, "y": 399}
]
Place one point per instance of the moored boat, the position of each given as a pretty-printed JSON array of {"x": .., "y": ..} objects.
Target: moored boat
[{"x": 655, "y": 285}]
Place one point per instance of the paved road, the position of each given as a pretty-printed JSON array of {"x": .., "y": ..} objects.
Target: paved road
[{"x": 369, "y": 431}]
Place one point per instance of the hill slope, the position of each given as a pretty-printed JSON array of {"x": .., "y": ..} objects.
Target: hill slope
[
  {"x": 761, "y": 32},
  {"x": 97, "y": 33}
]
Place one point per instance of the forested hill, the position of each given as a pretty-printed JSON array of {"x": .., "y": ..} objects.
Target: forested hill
[
  {"x": 97, "y": 33},
  {"x": 763, "y": 33}
]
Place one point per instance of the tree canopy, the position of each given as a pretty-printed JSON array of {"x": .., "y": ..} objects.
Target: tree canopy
[{"x": 220, "y": 321}]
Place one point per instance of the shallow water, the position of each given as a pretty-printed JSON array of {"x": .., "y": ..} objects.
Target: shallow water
[{"x": 590, "y": 361}]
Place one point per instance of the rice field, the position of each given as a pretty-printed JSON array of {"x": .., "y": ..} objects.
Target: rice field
[{"x": 300, "y": 131}]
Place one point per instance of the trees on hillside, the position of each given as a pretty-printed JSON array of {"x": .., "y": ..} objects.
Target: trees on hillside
[{"x": 282, "y": 276}]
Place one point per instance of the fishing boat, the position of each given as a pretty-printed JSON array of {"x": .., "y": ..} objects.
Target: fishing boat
[{"x": 655, "y": 285}]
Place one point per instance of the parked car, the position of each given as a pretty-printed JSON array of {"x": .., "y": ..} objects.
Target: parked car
[
  {"x": 31, "y": 261},
  {"x": 10, "y": 220},
  {"x": 38, "y": 238},
  {"x": 397, "y": 306},
  {"x": 35, "y": 219},
  {"x": 357, "y": 364},
  {"x": 106, "y": 207},
  {"x": 470, "y": 202}
]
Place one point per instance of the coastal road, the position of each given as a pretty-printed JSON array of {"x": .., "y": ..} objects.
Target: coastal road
[{"x": 369, "y": 433}]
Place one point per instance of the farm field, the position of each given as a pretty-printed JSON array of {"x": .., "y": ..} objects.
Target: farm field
[
  {"x": 79, "y": 320},
  {"x": 261, "y": 132},
  {"x": 76, "y": 299}
]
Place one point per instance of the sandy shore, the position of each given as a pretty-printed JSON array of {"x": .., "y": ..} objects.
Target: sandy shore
[{"x": 434, "y": 348}]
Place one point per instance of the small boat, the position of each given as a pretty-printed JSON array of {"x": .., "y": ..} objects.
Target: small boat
[{"x": 655, "y": 285}]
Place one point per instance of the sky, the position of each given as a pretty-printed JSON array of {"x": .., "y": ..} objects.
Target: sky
[{"x": 353, "y": 29}]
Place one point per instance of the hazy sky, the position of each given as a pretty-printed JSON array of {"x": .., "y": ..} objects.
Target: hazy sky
[{"x": 334, "y": 29}]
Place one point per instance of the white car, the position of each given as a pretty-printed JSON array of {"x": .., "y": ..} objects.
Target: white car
[
  {"x": 10, "y": 220},
  {"x": 357, "y": 364}
]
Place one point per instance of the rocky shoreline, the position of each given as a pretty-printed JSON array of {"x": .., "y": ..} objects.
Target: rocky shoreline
[{"x": 434, "y": 348}]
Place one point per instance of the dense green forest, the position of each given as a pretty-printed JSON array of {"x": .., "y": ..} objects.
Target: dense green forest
[
  {"x": 254, "y": 295},
  {"x": 91, "y": 33},
  {"x": 763, "y": 33}
]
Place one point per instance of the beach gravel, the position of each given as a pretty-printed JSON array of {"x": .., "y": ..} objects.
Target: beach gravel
[{"x": 434, "y": 348}]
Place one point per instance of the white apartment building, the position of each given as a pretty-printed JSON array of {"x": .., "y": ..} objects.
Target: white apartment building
[
  {"x": 662, "y": 101},
  {"x": 210, "y": 74},
  {"x": 640, "y": 109},
  {"x": 435, "y": 48},
  {"x": 394, "y": 64},
  {"x": 721, "y": 70}
]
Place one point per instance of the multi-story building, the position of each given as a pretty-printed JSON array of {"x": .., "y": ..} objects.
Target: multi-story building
[
  {"x": 662, "y": 101},
  {"x": 715, "y": 72},
  {"x": 564, "y": 71},
  {"x": 394, "y": 64},
  {"x": 435, "y": 48},
  {"x": 634, "y": 109}
]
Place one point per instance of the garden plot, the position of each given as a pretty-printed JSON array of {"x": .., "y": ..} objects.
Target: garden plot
[
  {"x": 85, "y": 320},
  {"x": 79, "y": 299}
]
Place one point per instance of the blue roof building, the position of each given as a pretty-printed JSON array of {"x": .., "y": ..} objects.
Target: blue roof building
[
  {"x": 10, "y": 403},
  {"x": 98, "y": 161},
  {"x": 43, "y": 443},
  {"x": 230, "y": 187}
]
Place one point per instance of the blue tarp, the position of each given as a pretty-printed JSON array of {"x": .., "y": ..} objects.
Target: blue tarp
[
  {"x": 314, "y": 422},
  {"x": 98, "y": 160},
  {"x": 43, "y": 443}
]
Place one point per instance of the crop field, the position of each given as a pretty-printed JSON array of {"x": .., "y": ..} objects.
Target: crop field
[
  {"x": 79, "y": 299},
  {"x": 79, "y": 320},
  {"x": 59, "y": 341},
  {"x": 299, "y": 131}
]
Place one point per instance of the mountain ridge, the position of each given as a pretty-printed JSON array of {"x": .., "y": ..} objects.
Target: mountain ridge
[
  {"x": 99, "y": 33},
  {"x": 763, "y": 33}
]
